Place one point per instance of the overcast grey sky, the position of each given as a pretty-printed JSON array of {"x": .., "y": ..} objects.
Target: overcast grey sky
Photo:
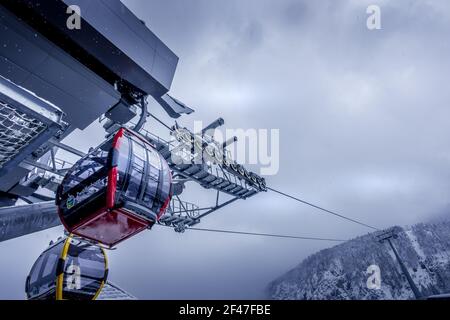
[{"x": 363, "y": 118}]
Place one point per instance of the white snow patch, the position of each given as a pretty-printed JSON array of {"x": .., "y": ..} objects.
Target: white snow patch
[{"x": 415, "y": 244}]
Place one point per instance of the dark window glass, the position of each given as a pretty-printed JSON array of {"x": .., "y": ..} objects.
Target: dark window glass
[
  {"x": 36, "y": 270},
  {"x": 88, "y": 177},
  {"x": 43, "y": 273},
  {"x": 124, "y": 158},
  {"x": 137, "y": 171},
  {"x": 150, "y": 193},
  {"x": 155, "y": 164},
  {"x": 165, "y": 190},
  {"x": 50, "y": 265},
  {"x": 85, "y": 168}
]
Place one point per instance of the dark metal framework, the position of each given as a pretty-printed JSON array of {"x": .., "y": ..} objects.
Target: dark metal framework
[
  {"x": 115, "y": 79},
  {"x": 27, "y": 123},
  {"x": 227, "y": 183}
]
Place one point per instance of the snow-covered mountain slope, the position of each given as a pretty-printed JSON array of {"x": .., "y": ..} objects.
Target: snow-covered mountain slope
[{"x": 341, "y": 272}]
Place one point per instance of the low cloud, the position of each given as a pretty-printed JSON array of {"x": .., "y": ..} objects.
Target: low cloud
[{"x": 363, "y": 118}]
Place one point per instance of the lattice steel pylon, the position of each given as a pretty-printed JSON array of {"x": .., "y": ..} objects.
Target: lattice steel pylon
[{"x": 388, "y": 235}]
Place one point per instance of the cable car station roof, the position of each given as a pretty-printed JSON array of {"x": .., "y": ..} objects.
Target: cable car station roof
[{"x": 111, "y": 41}]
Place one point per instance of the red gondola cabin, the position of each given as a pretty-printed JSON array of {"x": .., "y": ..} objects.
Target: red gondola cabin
[{"x": 119, "y": 189}]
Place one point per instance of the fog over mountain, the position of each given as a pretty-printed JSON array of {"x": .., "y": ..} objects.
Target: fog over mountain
[{"x": 339, "y": 273}]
